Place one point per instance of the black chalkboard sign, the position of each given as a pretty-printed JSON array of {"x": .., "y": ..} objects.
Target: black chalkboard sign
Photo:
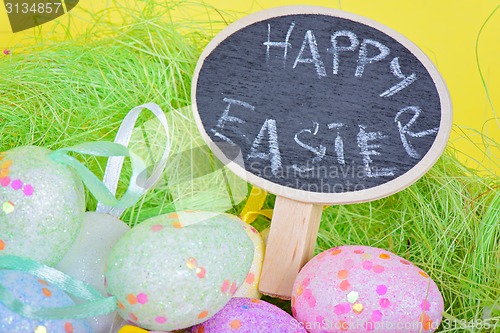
[{"x": 325, "y": 106}]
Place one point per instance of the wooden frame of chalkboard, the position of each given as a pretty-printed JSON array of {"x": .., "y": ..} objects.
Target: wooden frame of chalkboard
[{"x": 404, "y": 99}]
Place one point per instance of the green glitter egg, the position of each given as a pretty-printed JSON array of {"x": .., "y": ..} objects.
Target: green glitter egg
[
  {"x": 175, "y": 271},
  {"x": 42, "y": 204}
]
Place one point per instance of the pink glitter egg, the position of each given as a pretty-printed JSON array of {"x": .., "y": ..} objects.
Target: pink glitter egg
[
  {"x": 365, "y": 289},
  {"x": 247, "y": 315}
]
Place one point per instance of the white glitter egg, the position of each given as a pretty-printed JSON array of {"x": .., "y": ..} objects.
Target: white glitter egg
[
  {"x": 250, "y": 287},
  {"x": 38, "y": 293},
  {"x": 177, "y": 270},
  {"x": 365, "y": 289},
  {"x": 41, "y": 205},
  {"x": 86, "y": 259}
]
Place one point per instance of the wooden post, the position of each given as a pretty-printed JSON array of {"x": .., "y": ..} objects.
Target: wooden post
[{"x": 291, "y": 243}]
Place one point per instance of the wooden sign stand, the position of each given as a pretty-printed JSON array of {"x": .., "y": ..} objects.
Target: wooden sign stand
[
  {"x": 291, "y": 243},
  {"x": 377, "y": 112}
]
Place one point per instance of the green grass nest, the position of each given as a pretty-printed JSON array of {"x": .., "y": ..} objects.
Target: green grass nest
[{"x": 79, "y": 89}]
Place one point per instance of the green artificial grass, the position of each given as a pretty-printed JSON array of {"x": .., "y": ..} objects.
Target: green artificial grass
[{"x": 61, "y": 94}]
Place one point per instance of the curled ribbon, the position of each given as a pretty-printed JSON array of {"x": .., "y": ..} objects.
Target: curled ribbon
[{"x": 115, "y": 163}]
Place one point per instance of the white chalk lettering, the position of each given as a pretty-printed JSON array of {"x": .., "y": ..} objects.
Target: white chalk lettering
[
  {"x": 339, "y": 143},
  {"x": 226, "y": 118},
  {"x": 310, "y": 40},
  {"x": 363, "y": 58},
  {"x": 404, "y": 130},
  {"x": 368, "y": 150},
  {"x": 286, "y": 44},
  {"x": 335, "y": 49},
  {"x": 407, "y": 80},
  {"x": 274, "y": 155},
  {"x": 319, "y": 152}
]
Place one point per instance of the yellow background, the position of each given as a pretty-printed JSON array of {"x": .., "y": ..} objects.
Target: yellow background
[{"x": 446, "y": 30}]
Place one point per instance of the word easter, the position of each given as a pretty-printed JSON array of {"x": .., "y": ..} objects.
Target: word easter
[
  {"x": 301, "y": 94},
  {"x": 366, "y": 140}
]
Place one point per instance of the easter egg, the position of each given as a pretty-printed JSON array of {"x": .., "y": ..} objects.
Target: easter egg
[
  {"x": 177, "y": 270},
  {"x": 246, "y": 315},
  {"x": 361, "y": 289},
  {"x": 250, "y": 287},
  {"x": 36, "y": 292},
  {"x": 86, "y": 259},
  {"x": 42, "y": 205}
]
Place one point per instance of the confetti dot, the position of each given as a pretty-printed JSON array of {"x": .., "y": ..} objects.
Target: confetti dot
[
  {"x": 405, "y": 262},
  {"x": 6, "y": 164},
  {"x": 200, "y": 272},
  {"x": 352, "y": 296},
  {"x": 201, "y": 329},
  {"x": 250, "y": 278},
  {"x": 359, "y": 251},
  {"x": 378, "y": 269},
  {"x": 367, "y": 264},
  {"x": 235, "y": 324},
  {"x": 343, "y": 325},
  {"x": 381, "y": 290},
  {"x": 334, "y": 252},
  {"x": 177, "y": 225},
  {"x": 161, "y": 320},
  {"x": 341, "y": 309},
  {"x": 4, "y": 173},
  {"x": 306, "y": 282},
  {"x": 300, "y": 289},
  {"x": 203, "y": 314},
  {"x": 7, "y": 52},
  {"x": 344, "y": 285},
  {"x": 5, "y": 181},
  {"x": 2, "y": 245},
  {"x": 156, "y": 227},
  {"x": 425, "y": 305},
  {"x": 68, "y": 327},
  {"x": 8, "y": 207},
  {"x": 191, "y": 263},
  {"x": 385, "y": 303},
  {"x": 254, "y": 300},
  {"x": 225, "y": 286},
  {"x": 357, "y": 308},
  {"x": 132, "y": 317},
  {"x": 131, "y": 299},
  {"x": 367, "y": 256},
  {"x": 17, "y": 184},
  {"x": 424, "y": 274},
  {"x": 426, "y": 321},
  {"x": 43, "y": 282},
  {"x": 46, "y": 292},
  {"x": 121, "y": 306},
  {"x": 376, "y": 315},
  {"x": 40, "y": 329},
  {"x": 28, "y": 190},
  {"x": 309, "y": 297},
  {"x": 234, "y": 287},
  {"x": 342, "y": 274},
  {"x": 142, "y": 298},
  {"x": 173, "y": 216}
]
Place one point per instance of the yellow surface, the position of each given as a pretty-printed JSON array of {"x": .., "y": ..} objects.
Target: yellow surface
[
  {"x": 131, "y": 329},
  {"x": 446, "y": 30}
]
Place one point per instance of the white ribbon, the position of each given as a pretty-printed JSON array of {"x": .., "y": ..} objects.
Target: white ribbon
[{"x": 115, "y": 163}]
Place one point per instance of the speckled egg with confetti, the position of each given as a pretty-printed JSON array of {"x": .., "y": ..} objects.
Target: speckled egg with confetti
[
  {"x": 250, "y": 287},
  {"x": 37, "y": 293},
  {"x": 42, "y": 205},
  {"x": 365, "y": 289},
  {"x": 246, "y": 315},
  {"x": 177, "y": 270}
]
